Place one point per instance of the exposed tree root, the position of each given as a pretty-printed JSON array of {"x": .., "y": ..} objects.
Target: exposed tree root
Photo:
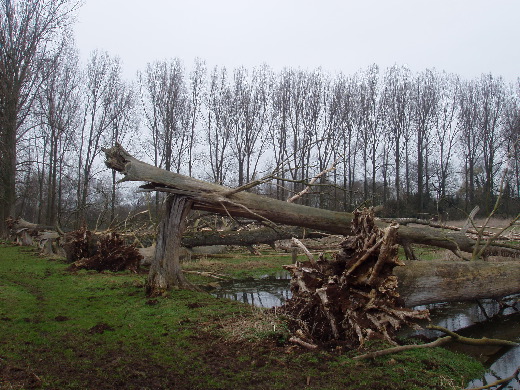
[{"x": 353, "y": 296}]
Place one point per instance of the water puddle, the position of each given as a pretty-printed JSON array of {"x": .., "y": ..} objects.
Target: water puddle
[
  {"x": 268, "y": 291},
  {"x": 471, "y": 319}
]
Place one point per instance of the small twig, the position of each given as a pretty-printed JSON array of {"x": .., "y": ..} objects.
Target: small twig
[
  {"x": 470, "y": 219},
  {"x": 248, "y": 186}
]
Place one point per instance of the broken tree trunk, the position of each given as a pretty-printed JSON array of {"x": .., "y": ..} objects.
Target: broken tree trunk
[
  {"x": 226, "y": 201},
  {"x": 165, "y": 270}
]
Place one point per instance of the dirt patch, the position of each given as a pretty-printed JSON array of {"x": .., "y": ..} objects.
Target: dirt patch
[
  {"x": 17, "y": 378},
  {"x": 100, "y": 328}
]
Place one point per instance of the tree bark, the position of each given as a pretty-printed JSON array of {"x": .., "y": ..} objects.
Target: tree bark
[
  {"x": 425, "y": 282},
  {"x": 165, "y": 271},
  {"x": 246, "y": 237},
  {"x": 223, "y": 200}
]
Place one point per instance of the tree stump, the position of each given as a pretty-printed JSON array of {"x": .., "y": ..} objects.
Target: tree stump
[
  {"x": 165, "y": 270},
  {"x": 353, "y": 296}
]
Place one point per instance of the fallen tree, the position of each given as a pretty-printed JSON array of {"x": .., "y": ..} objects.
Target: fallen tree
[
  {"x": 262, "y": 235},
  {"x": 239, "y": 203},
  {"x": 271, "y": 212},
  {"x": 27, "y": 233}
]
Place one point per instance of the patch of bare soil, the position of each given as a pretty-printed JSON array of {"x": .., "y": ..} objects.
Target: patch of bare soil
[{"x": 12, "y": 377}]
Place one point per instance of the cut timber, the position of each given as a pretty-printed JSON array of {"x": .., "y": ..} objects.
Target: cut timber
[
  {"x": 425, "y": 282},
  {"x": 224, "y": 200}
]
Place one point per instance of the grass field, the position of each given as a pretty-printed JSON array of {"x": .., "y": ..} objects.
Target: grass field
[{"x": 89, "y": 330}]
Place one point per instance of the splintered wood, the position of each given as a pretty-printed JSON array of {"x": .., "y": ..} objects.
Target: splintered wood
[{"x": 353, "y": 296}]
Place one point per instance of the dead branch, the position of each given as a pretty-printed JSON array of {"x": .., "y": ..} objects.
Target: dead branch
[
  {"x": 300, "y": 245},
  {"x": 451, "y": 336},
  {"x": 313, "y": 180},
  {"x": 389, "y": 351},
  {"x": 499, "y": 382},
  {"x": 208, "y": 274},
  {"x": 302, "y": 343},
  {"x": 472, "y": 341}
]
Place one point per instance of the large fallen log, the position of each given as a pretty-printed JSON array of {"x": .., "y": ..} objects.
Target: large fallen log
[
  {"x": 226, "y": 201},
  {"x": 425, "y": 282},
  {"x": 27, "y": 234},
  {"x": 494, "y": 280},
  {"x": 246, "y": 237}
]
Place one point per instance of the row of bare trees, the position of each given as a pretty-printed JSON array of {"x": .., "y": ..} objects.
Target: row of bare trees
[{"x": 414, "y": 142}]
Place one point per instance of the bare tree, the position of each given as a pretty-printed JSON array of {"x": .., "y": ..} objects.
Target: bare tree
[
  {"x": 425, "y": 105},
  {"x": 370, "y": 116},
  {"x": 165, "y": 103},
  {"x": 125, "y": 120},
  {"x": 492, "y": 98},
  {"x": 512, "y": 136},
  {"x": 345, "y": 106},
  {"x": 397, "y": 101},
  {"x": 445, "y": 132},
  {"x": 219, "y": 124},
  {"x": 103, "y": 111},
  {"x": 28, "y": 29},
  {"x": 278, "y": 128},
  {"x": 470, "y": 138},
  {"x": 57, "y": 110},
  {"x": 197, "y": 78},
  {"x": 249, "y": 115}
]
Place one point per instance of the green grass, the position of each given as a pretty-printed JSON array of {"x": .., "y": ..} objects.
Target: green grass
[{"x": 89, "y": 330}]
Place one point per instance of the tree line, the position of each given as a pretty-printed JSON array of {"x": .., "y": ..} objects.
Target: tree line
[{"x": 420, "y": 144}]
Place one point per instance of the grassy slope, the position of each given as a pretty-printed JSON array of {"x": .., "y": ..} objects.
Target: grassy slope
[{"x": 98, "y": 331}]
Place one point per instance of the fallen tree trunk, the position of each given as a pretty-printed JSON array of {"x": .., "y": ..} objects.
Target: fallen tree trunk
[
  {"x": 425, "y": 282},
  {"x": 226, "y": 201},
  {"x": 26, "y": 234},
  {"x": 246, "y": 237}
]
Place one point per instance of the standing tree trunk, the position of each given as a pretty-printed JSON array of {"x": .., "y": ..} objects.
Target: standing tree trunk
[{"x": 165, "y": 271}]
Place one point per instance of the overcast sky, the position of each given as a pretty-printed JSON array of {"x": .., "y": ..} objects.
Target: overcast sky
[{"x": 466, "y": 37}]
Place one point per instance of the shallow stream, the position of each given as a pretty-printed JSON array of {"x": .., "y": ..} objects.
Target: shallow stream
[{"x": 469, "y": 319}]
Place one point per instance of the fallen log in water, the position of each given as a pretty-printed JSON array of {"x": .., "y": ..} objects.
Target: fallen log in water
[{"x": 425, "y": 282}]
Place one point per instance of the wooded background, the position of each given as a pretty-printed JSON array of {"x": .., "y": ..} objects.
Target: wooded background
[{"x": 421, "y": 144}]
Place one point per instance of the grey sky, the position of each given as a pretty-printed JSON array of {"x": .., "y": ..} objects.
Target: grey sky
[{"x": 467, "y": 37}]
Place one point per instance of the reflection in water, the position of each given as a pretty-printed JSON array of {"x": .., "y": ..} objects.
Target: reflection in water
[
  {"x": 502, "y": 362},
  {"x": 266, "y": 292},
  {"x": 274, "y": 291}
]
